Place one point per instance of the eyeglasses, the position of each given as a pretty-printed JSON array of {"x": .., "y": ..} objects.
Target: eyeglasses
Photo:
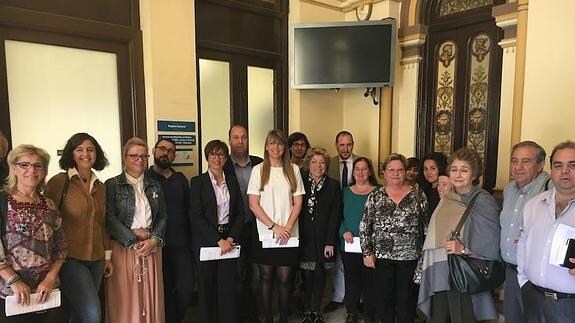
[
  {"x": 135, "y": 157},
  {"x": 166, "y": 150},
  {"x": 27, "y": 165},
  {"x": 219, "y": 155}
]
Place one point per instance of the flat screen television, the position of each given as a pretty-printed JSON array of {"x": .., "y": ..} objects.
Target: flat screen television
[{"x": 342, "y": 54}]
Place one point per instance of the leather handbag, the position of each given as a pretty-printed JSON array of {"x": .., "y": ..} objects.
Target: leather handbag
[{"x": 470, "y": 275}]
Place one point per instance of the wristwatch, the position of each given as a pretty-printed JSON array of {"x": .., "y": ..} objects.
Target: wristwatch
[{"x": 463, "y": 251}]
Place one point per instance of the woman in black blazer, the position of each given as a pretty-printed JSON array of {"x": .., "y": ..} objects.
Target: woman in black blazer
[
  {"x": 217, "y": 219},
  {"x": 318, "y": 224}
]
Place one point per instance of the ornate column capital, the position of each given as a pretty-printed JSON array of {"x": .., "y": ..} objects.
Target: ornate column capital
[{"x": 411, "y": 40}]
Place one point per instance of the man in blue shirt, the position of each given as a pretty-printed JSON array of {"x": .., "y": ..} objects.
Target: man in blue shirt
[
  {"x": 177, "y": 262},
  {"x": 529, "y": 179}
]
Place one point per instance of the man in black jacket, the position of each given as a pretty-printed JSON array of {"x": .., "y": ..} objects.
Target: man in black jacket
[
  {"x": 239, "y": 167},
  {"x": 177, "y": 254}
]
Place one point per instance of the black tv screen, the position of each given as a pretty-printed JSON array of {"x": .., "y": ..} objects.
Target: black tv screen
[{"x": 343, "y": 54}]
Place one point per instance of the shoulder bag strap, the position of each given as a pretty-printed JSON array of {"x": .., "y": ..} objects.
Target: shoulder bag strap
[{"x": 466, "y": 214}]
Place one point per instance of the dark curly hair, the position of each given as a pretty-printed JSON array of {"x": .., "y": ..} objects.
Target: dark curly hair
[{"x": 67, "y": 159}]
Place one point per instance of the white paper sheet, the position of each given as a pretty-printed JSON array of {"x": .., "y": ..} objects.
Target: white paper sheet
[
  {"x": 354, "y": 247},
  {"x": 293, "y": 242},
  {"x": 13, "y": 308},
  {"x": 215, "y": 253},
  {"x": 559, "y": 244}
]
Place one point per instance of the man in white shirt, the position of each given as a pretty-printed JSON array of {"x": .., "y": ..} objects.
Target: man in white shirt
[{"x": 548, "y": 290}]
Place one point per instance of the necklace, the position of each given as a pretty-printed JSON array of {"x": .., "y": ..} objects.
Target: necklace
[{"x": 31, "y": 199}]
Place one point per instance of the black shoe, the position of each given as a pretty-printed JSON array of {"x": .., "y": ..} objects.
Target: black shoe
[
  {"x": 368, "y": 319},
  {"x": 351, "y": 318},
  {"x": 307, "y": 318},
  {"x": 332, "y": 306}
]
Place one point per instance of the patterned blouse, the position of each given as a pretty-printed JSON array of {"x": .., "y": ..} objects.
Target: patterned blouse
[
  {"x": 34, "y": 240},
  {"x": 393, "y": 231}
]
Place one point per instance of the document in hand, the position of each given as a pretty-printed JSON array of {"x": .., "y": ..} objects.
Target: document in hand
[
  {"x": 293, "y": 242},
  {"x": 354, "y": 247},
  {"x": 215, "y": 253},
  {"x": 13, "y": 308},
  {"x": 560, "y": 244}
]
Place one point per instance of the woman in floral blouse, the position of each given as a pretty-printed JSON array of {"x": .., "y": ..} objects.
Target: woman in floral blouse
[
  {"x": 33, "y": 247},
  {"x": 391, "y": 235}
]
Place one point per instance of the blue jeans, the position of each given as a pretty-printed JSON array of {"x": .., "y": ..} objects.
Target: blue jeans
[{"x": 80, "y": 282}]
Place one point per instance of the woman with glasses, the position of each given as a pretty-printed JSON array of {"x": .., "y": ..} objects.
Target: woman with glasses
[
  {"x": 392, "y": 232},
  {"x": 32, "y": 244},
  {"x": 81, "y": 199},
  {"x": 275, "y": 194},
  {"x": 358, "y": 278},
  {"x": 217, "y": 220},
  {"x": 136, "y": 220}
]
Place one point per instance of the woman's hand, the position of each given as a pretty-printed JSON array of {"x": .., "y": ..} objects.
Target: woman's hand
[
  {"x": 108, "y": 268},
  {"x": 454, "y": 247},
  {"x": 142, "y": 234},
  {"x": 225, "y": 245},
  {"x": 328, "y": 251},
  {"x": 348, "y": 237},
  {"x": 146, "y": 247},
  {"x": 369, "y": 261},
  {"x": 282, "y": 234},
  {"x": 46, "y": 286},
  {"x": 21, "y": 292}
]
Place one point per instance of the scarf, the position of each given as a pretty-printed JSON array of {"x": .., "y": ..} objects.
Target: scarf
[{"x": 312, "y": 199}]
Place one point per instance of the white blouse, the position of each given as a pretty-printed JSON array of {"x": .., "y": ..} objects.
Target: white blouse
[
  {"x": 142, "y": 209},
  {"x": 276, "y": 198}
]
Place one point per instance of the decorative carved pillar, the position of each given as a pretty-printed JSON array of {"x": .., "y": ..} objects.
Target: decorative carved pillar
[
  {"x": 411, "y": 39},
  {"x": 506, "y": 18}
]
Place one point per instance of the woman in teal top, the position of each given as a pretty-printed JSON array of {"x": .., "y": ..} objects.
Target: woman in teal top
[{"x": 358, "y": 278}]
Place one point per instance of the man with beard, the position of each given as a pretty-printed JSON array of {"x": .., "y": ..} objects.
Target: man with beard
[
  {"x": 239, "y": 167},
  {"x": 177, "y": 261},
  {"x": 3, "y": 153}
]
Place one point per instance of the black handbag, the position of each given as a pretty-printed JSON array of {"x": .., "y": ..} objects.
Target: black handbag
[{"x": 470, "y": 275}]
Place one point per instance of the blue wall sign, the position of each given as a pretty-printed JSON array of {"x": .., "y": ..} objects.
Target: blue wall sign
[{"x": 182, "y": 126}]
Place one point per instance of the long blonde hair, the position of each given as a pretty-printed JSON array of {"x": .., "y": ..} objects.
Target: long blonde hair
[
  {"x": 15, "y": 155},
  {"x": 277, "y": 135}
]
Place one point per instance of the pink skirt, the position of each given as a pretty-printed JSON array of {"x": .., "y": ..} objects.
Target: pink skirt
[{"x": 135, "y": 291}]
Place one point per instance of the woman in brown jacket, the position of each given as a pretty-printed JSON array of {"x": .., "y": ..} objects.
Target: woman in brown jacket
[{"x": 81, "y": 198}]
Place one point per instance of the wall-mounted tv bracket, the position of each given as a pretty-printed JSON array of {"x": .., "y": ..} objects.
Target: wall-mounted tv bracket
[{"x": 372, "y": 91}]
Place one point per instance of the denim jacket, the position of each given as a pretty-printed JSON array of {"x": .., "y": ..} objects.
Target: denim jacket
[{"x": 120, "y": 204}]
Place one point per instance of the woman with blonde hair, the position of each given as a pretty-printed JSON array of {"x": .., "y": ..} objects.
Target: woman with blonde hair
[
  {"x": 32, "y": 244},
  {"x": 136, "y": 220},
  {"x": 275, "y": 194}
]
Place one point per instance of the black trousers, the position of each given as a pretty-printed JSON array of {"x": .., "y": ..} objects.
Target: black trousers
[
  {"x": 396, "y": 293},
  {"x": 179, "y": 277},
  {"x": 248, "y": 278},
  {"x": 358, "y": 282},
  {"x": 451, "y": 306},
  {"x": 218, "y": 291}
]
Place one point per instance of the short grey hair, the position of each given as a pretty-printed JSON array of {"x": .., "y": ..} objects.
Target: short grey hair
[{"x": 540, "y": 152}]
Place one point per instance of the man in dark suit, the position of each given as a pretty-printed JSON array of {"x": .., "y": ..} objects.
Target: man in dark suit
[
  {"x": 239, "y": 166},
  {"x": 340, "y": 168},
  {"x": 177, "y": 257}
]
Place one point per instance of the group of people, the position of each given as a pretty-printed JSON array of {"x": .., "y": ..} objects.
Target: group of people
[{"x": 295, "y": 213}]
